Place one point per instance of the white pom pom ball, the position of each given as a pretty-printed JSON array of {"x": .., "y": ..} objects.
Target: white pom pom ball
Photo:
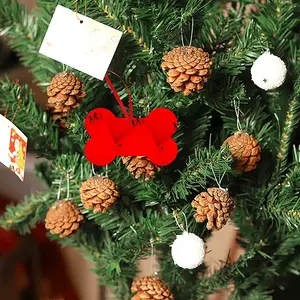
[
  {"x": 268, "y": 71},
  {"x": 188, "y": 251}
]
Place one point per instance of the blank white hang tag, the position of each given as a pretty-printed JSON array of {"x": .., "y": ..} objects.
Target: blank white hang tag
[{"x": 88, "y": 46}]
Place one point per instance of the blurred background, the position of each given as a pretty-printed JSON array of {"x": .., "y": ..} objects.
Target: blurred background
[{"x": 32, "y": 267}]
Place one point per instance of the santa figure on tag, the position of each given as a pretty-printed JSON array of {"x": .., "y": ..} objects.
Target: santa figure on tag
[{"x": 17, "y": 153}]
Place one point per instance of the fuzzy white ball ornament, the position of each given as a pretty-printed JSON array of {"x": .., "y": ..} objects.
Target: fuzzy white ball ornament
[
  {"x": 268, "y": 71},
  {"x": 188, "y": 250}
]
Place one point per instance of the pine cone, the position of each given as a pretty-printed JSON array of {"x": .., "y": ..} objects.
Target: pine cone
[
  {"x": 99, "y": 193},
  {"x": 215, "y": 206},
  {"x": 245, "y": 151},
  {"x": 151, "y": 289},
  {"x": 65, "y": 92},
  {"x": 188, "y": 69},
  {"x": 63, "y": 218},
  {"x": 140, "y": 165}
]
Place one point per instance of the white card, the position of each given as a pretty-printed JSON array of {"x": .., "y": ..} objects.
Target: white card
[
  {"x": 88, "y": 46},
  {"x": 13, "y": 145}
]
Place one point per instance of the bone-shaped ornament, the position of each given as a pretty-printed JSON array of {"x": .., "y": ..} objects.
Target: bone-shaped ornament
[{"x": 112, "y": 136}]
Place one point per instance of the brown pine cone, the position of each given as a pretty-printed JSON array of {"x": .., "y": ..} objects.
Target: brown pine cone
[
  {"x": 245, "y": 151},
  {"x": 188, "y": 69},
  {"x": 150, "y": 288},
  {"x": 65, "y": 93},
  {"x": 140, "y": 165},
  {"x": 63, "y": 218},
  {"x": 99, "y": 193},
  {"x": 215, "y": 206}
]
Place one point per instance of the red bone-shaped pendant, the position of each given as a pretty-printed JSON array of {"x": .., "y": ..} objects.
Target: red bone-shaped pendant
[
  {"x": 112, "y": 136},
  {"x": 129, "y": 136}
]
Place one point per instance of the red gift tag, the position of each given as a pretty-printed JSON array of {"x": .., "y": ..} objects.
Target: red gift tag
[{"x": 129, "y": 136}]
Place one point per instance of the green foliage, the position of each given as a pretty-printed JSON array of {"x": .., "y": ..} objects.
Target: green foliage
[
  {"x": 206, "y": 165},
  {"x": 19, "y": 103},
  {"x": 25, "y": 215},
  {"x": 267, "y": 209}
]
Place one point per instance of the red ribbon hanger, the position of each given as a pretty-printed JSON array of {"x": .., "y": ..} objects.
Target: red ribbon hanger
[
  {"x": 118, "y": 98},
  {"x": 123, "y": 135}
]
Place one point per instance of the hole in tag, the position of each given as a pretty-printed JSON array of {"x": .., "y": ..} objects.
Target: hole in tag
[{"x": 81, "y": 21}]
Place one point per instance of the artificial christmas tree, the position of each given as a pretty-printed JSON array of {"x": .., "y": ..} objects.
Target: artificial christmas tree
[{"x": 266, "y": 199}]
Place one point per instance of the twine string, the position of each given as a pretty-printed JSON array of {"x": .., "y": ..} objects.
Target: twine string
[
  {"x": 59, "y": 188},
  {"x": 68, "y": 186},
  {"x": 15, "y": 114},
  {"x": 192, "y": 31},
  {"x": 237, "y": 113},
  {"x": 81, "y": 172},
  {"x": 76, "y": 9},
  {"x": 93, "y": 170},
  {"x": 19, "y": 102},
  {"x": 180, "y": 225},
  {"x": 6, "y": 111},
  {"x": 217, "y": 181},
  {"x": 152, "y": 257}
]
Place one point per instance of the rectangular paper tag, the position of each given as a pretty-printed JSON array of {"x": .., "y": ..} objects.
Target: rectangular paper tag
[
  {"x": 88, "y": 46},
  {"x": 13, "y": 147}
]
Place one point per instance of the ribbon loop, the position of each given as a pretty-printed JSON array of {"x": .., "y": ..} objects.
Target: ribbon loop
[{"x": 118, "y": 98}]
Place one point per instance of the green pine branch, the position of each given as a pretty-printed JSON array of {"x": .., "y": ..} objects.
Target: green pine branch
[
  {"x": 289, "y": 126},
  {"x": 25, "y": 215},
  {"x": 21, "y": 108},
  {"x": 202, "y": 167},
  {"x": 277, "y": 21},
  {"x": 283, "y": 204},
  {"x": 25, "y": 35},
  {"x": 242, "y": 53}
]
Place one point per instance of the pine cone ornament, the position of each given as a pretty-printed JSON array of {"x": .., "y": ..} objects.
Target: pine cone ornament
[
  {"x": 99, "y": 193},
  {"x": 140, "y": 165},
  {"x": 188, "y": 69},
  {"x": 63, "y": 218},
  {"x": 65, "y": 93},
  {"x": 245, "y": 151},
  {"x": 150, "y": 288},
  {"x": 215, "y": 206}
]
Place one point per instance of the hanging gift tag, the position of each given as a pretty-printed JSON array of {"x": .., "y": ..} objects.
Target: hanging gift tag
[
  {"x": 81, "y": 43},
  {"x": 12, "y": 147}
]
